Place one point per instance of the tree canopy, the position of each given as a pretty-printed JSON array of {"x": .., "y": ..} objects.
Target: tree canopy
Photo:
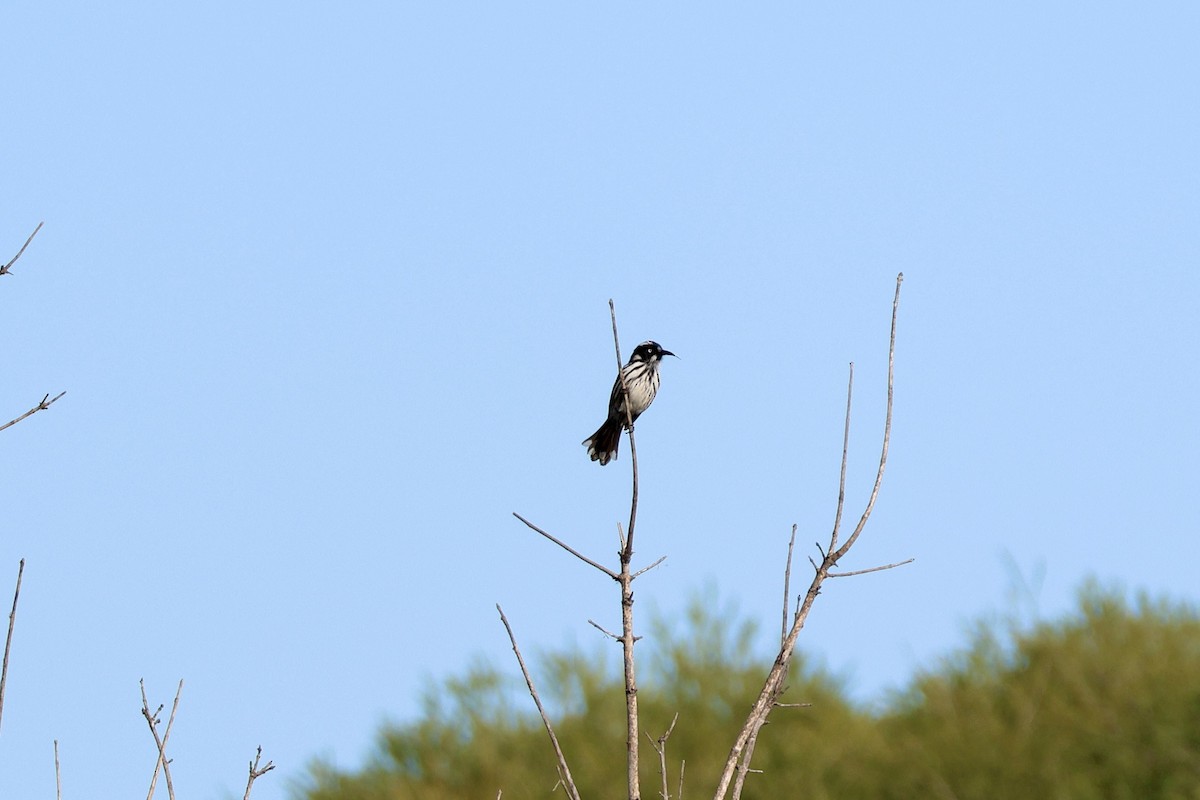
[{"x": 1103, "y": 703}]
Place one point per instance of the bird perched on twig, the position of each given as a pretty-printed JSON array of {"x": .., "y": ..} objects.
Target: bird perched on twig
[{"x": 641, "y": 379}]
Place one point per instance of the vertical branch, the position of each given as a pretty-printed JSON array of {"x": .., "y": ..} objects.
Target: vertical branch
[
  {"x": 660, "y": 746},
  {"x": 626, "y": 581},
  {"x": 57, "y": 774},
  {"x": 743, "y": 747},
  {"x": 12, "y": 619},
  {"x": 563, "y": 770},
  {"x": 841, "y": 501},
  {"x": 887, "y": 430},
  {"x": 787, "y": 587},
  {"x": 627, "y": 553}
]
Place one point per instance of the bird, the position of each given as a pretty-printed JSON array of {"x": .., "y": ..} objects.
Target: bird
[{"x": 641, "y": 379}]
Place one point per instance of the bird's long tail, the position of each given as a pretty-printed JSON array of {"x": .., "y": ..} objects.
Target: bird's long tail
[{"x": 602, "y": 445}]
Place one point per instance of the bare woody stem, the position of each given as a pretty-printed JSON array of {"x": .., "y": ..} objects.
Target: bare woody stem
[
  {"x": 738, "y": 762},
  {"x": 5, "y": 270},
  {"x": 12, "y": 619},
  {"x": 57, "y": 774},
  {"x": 625, "y": 578},
  {"x": 257, "y": 772},
  {"x": 46, "y": 402},
  {"x": 660, "y": 747},
  {"x": 564, "y": 771},
  {"x": 160, "y": 742}
]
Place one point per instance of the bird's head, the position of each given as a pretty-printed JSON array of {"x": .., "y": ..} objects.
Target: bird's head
[{"x": 649, "y": 351}]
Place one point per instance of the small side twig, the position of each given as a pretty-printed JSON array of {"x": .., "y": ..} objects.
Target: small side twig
[
  {"x": 12, "y": 619},
  {"x": 257, "y": 772},
  {"x": 7, "y": 268},
  {"x": 161, "y": 742},
  {"x": 568, "y": 548},
  {"x": 880, "y": 568},
  {"x": 563, "y": 770},
  {"x": 644, "y": 570},
  {"x": 603, "y": 630}
]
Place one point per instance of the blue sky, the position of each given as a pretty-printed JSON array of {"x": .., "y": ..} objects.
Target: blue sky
[{"x": 327, "y": 289}]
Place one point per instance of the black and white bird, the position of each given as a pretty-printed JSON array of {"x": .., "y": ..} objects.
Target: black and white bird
[{"x": 641, "y": 378}]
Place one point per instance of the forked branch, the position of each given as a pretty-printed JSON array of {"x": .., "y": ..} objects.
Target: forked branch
[
  {"x": 737, "y": 764},
  {"x": 256, "y": 771}
]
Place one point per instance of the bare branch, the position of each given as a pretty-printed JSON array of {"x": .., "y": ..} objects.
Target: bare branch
[
  {"x": 607, "y": 633},
  {"x": 887, "y": 430},
  {"x": 569, "y": 549},
  {"x": 787, "y": 586},
  {"x": 256, "y": 772},
  {"x": 628, "y": 550},
  {"x": 870, "y": 569},
  {"x": 12, "y": 619},
  {"x": 153, "y": 721},
  {"x": 660, "y": 746},
  {"x": 7, "y": 268},
  {"x": 644, "y": 570},
  {"x": 739, "y": 754},
  {"x": 563, "y": 770},
  {"x": 841, "y": 501},
  {"x": 57, "y": 774},
  {"x": 46, "y": 402},
  {"x": 626, "y": 579},
  {"x": 744, "y": 764}
]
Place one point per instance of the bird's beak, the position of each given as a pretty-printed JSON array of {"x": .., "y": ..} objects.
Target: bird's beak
[{"x": 668, "y": 353}]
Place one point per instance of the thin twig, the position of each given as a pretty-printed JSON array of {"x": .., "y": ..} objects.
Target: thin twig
[
  {"x": 563, "y": 770},
  {"x": 153, "y": 721},
  {"x": 887, "y": 431},
  {"x": 612, "y": 312},
  {"x": 870, "y": 569},
  {"x": 47, "y": 401},
  {"x": 787, "y": 586},
  {"x": 644, "y": 570},
  {"x": 660, "y": 746},
  {"x": 6, "y": 269},
  {"x": 255, "y": 772},
  {"x": 841, "y": 502},
  {"x": 57, "y": 774},
  {"x": 607, "y": 633},
  {"x": 569, "y": 549},
  {"x": 12, "y": 619}
]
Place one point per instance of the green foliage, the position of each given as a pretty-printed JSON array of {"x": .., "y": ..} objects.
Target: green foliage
[{"x": 1102, "y": 704}]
